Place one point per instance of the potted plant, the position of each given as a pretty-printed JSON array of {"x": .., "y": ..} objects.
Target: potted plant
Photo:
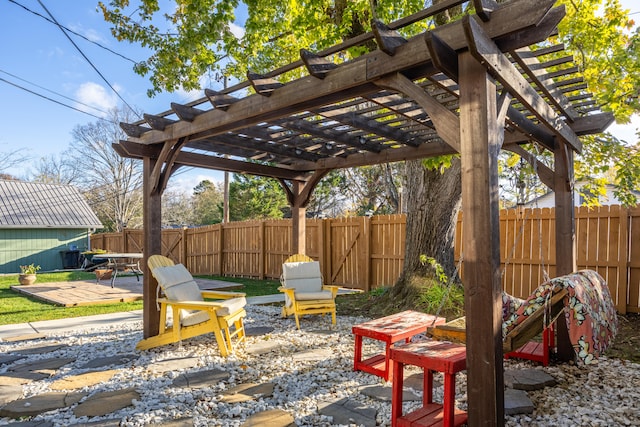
[{"x": 28, "y": 274}]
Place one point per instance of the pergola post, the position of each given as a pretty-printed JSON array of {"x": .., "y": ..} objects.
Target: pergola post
[
  {"x": 298, "y": 218},
  {"x": 152, "y": 225},
  {"x": 565, "y": 234},
  {"x": 480, "y": 137}
]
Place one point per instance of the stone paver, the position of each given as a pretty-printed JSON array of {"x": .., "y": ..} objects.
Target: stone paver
[
  {"x": 256, "y": 331},
  {"x": 83, "y": 380},
  {"x": 39, "y": 349},
  {"x": 104, "y": 403},
  {"x": 9, "y": 393},
  {"x": 383, "y": 393},
  {"x": 38, "y": 423},
  {"x": 245, "y": 392},
  {"x": 35, "y": 405},
  {"x": 5, "y": 359},
  {"x": 271, "y": 418},
  {"x": 517, "y": 402},
  {"x": 180, "y": 422},
  {"x": 118, "y": 359},
  {"x": 313, "y": 355},
  {"x": 347, "y": 411},
  {"x": 41, "y": 365},
  {"x": 201, "y": 379},
  {"x": 177, "y": 364},
  {"x": 25, "y": 337},
  {"x": 263, "y": 347},
  {"x": 528, "y": 379},
  {"x": 15, "y": 378},
  {"x": 101, "y": 423}
]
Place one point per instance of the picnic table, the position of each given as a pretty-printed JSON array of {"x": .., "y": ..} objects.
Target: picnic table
[{"x": 123, "y": 262}]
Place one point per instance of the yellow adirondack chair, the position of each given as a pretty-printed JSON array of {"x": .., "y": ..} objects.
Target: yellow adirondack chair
[
  {"x": 304, "y": 292},
  {"x": 192, "y": 315}
]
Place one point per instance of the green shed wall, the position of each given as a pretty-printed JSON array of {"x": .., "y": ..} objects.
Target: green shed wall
[{"x": 38, "y": 246}]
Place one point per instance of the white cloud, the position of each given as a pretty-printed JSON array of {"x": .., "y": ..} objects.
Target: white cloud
[
  {"x": 186, "y": 181},
  {"x": 236, "y": 30},
  {"x": 191, "y": 95},
  {"x": 96, "y": 95},
  {"x": 626, "y": 132}
]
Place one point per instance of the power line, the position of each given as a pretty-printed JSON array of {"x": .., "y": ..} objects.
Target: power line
[
  {"x": 53, "y": 92},
  {"x": 88, "y": 60},
  {"x": 50, "y": 99},
  {"x": 73, "y": 32}
]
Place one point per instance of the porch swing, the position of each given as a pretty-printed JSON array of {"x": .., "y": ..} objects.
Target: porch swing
[
  {"x": 578, "y": 295},
  {"x": 518, "y": 331}
]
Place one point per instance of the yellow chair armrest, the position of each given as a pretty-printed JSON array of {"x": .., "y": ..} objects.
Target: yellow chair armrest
[
  {"x": 332, "y": 288},
  {"x": 222, "y": 294},
  {"x": 291, "y": 292}
]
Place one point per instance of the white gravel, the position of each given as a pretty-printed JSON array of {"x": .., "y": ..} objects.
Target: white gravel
[{"x": 603, "y": 394}]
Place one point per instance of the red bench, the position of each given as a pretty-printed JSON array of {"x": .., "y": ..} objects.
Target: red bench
[
  {"x": 439, "y": 356},
  {"x": 389, "y": 329}
]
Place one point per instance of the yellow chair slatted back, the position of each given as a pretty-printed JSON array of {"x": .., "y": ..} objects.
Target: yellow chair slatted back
[
  {"x": 299, "y": 258},
  {"x": 156, "y": 261}
]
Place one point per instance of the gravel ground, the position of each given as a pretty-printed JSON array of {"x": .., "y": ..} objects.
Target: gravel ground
[{"x": 603, "y": 394}]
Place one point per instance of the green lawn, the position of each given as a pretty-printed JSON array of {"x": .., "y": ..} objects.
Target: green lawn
[{"x": 18, "y": 308}]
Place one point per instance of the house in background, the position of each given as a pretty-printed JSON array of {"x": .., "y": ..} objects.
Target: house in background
[
  {"x": 43, "y": 224},
  {"x": 548, "y": 200}
]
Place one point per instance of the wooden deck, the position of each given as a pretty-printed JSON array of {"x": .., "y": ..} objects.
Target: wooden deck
[{"x": 88, "y": 292}]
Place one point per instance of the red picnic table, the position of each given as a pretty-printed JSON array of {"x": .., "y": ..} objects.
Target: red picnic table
[{"x": 389, "y": 329}]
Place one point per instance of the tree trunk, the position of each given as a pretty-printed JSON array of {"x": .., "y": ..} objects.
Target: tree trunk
[{"x": 433, "y": 202}]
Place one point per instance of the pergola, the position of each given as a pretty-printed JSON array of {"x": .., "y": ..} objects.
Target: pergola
[{"x": 487, "y": 82}]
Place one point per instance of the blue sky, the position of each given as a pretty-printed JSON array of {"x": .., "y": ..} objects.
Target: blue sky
[{"x": 36, "y": 55}]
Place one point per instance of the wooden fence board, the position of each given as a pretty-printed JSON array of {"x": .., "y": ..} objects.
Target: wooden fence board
[
  {"x": 365, "y": 253},
  {"x": 633, "y": 262}
]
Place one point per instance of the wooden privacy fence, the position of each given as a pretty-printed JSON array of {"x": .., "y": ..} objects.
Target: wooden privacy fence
[{"x": 367, "y": 252}]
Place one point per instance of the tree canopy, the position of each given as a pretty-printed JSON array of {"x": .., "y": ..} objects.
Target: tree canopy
[{"x": 193, "y": 39}]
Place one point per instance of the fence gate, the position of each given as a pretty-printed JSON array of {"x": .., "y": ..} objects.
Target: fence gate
[{"x": 346, "y": 259}]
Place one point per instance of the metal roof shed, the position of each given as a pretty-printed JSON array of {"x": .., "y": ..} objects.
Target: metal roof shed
[{"x": 38, "y": 221}]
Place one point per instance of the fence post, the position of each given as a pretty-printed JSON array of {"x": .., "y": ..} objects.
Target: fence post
[
  {"x": 261, "y": 254},
  {"x": 366, "y": 255},
  {"x": 623, "y": 261},
  {"x": 221, "y": 250},
  {"x": 183, "y": 248},
  {"x": 326, "y": 231}
]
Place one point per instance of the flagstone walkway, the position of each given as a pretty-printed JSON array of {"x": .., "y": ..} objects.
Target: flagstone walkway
[{"x": 77, "y": 390}]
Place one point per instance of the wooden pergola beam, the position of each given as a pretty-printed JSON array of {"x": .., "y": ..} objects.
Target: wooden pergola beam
[
  {"x": 447, "y": 123},
  {"x": 547, "y": 175},
  {"x": 486, "y": 51},
  {"x": 350, "y": 79},
  {"x": 186, "y": 158}
]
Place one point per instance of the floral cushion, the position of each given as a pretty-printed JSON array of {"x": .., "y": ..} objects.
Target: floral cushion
[
  {"x": 589, "y": 312},
  {"x": 510, "y": 305}
]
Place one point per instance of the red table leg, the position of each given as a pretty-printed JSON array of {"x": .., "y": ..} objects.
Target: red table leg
[
  {"x": 396, "y": 393},
  {"x": 427, "y": 387},
  {"x": 357, "y": 357},
  {"x": 388, "y": 364},
  {"x": 449, "y": 398}
]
